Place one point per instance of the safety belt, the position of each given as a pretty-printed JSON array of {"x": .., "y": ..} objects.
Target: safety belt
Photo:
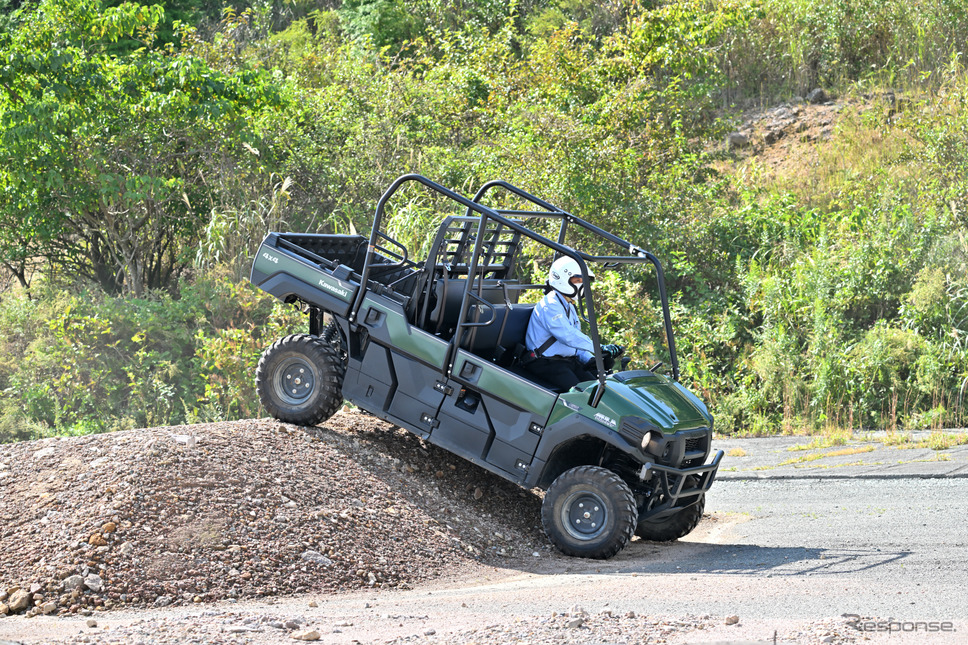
[{"x": 545, "y": 345}]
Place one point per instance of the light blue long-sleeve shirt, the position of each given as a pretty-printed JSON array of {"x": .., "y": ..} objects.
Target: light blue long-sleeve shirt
[{"x": 555, "y": 317}]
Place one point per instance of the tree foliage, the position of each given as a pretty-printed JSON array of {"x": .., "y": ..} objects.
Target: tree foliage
[
  {"x": 139, "y": 154},
  {"x": 110, "y": 162}
]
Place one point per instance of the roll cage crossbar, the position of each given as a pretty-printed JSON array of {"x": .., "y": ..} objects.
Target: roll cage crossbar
[{"x": 633, "y": 255}]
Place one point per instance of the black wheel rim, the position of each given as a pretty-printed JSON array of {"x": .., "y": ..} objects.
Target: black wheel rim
[
  {"x": 295, "y": 380},
  {"x": 584, "y": 515}
]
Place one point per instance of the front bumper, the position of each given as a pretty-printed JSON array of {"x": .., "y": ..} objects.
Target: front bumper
[{"x": 676, "y": 488}]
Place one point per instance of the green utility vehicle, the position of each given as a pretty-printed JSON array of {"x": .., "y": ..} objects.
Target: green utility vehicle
[{"x": 433, "y": 345}]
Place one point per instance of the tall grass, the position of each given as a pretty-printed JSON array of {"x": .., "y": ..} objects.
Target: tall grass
[{"x": 790, "y": 47}]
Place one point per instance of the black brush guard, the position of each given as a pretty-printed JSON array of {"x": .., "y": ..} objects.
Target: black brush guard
[{"x": 670, "y": 487}]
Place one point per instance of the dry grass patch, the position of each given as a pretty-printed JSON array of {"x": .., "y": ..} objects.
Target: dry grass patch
[{"x": 821, "y": 455}]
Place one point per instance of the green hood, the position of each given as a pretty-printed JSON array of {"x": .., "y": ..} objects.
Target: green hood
[{"x": 655, "y": 398}]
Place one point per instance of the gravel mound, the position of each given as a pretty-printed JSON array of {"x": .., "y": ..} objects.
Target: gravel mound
[{"x": 246, "y": 509}]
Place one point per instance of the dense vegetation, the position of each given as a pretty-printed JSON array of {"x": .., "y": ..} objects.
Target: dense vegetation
[{"x": 146, "y": 150}]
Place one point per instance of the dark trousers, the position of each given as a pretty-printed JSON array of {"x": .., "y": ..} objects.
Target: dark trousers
[{"x": 560, "y": 372}]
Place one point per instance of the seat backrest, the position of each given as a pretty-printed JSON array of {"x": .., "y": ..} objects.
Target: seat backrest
[
  {"x": 499, "y": 339},
  {"x": 516, "y": 326},
  {"x": 448, "y": 293},
  {"x": 482, "y": 340}
]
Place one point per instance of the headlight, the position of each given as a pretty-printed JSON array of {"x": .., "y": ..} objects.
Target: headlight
[{"x": 646, "y": 438}]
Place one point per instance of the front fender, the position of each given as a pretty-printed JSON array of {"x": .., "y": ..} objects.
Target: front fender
[{"x": 566, "y": 430}]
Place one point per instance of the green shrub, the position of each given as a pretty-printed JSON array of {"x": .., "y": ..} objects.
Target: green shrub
[{"x": 94, "y": 363}]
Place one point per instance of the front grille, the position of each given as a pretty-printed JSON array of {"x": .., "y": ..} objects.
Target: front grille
[
  {"x": 696, "y": 444},
  {"x": 696, "y": 449}
]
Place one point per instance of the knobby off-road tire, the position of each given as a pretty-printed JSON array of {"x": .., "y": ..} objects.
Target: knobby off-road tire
[
  {"x": 300, "y": 380},
  {"x": 589, "y": 512},
  {"x": 674, "y": 526}
]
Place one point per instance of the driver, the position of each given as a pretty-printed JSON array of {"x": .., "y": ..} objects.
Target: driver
[{"x": 558, "y": 351}]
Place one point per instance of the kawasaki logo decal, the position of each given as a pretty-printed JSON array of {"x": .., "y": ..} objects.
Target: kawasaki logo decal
[{"x": 342, "y": 293}]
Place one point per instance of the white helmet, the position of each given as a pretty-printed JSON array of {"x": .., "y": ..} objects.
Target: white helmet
[{"x": 562, "y": 271}]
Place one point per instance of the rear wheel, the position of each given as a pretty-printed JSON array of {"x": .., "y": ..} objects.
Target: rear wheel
[
  {"x": 673, "y": 527},
  {"x": 589, "y": 512},
  {"x": 300, "y": 380}
]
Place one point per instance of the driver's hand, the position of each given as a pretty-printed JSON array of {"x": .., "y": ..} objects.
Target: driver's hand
[{"x": 613, "y": 351}]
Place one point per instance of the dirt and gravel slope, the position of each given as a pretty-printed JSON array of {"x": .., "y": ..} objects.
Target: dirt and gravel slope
[{"x": 243, "y": 510}]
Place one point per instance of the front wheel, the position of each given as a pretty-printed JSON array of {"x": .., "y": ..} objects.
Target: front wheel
[
  {"x": 300, "y": 380},
  {"x": 673, "y": 527},
  {"x": 589, "y": 512}
]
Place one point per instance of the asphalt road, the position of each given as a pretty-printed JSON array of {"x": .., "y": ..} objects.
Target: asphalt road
[
  {"x": 803, "y": 549},
  {"x": 875, "y": 547}
]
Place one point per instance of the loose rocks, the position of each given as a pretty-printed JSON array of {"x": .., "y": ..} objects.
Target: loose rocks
[{"x": 247, "y": 509}]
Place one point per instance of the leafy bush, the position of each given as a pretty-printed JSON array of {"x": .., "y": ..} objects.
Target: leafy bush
[{"x": 94, "y": 363}]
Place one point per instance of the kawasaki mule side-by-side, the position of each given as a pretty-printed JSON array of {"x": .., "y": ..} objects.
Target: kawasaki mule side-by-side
[{"x": 434, "y": 345}]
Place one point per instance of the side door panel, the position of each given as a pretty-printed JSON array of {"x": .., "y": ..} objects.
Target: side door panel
[{"x": 516, "y": 410}]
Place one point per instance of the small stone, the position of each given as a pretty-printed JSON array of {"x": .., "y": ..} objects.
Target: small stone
[
  {"x": 163, "y": 601},
  {"x": 127, "y": 548},
  {"x": 48, "y": 608},
  {"x": 97, "y": 540},
  {"x": 91, "y": 622},
  {"x": 577, "y": 612},
  {"x": 478, "y": 493},
  {"x": 313, "y": 603},
  {"x": 316, "y": 558},
  {"x": 109, "y": 527},
  {"x": 737, "y": 141},
  {"x": 306, "y": 635},
  {"x": 575, "y": 623},
  {"x": 4, "y": 610},
  {"x": 73, "y": 582},
  {"x": 94, "y": 582},
  {"x": 816, "y": 96},
  {"x": 430, "y": 632},
  {"x": 732, "y": 620},
  {"x": 19, "y": 600}
]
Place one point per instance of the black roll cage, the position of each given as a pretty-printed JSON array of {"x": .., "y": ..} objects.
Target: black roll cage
[{"x": 636, "y": 255}]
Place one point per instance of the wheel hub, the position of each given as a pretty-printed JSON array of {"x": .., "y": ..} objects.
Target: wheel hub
[
  {"x": 584, "y": 515},
  {"x": 296, "y": 380}
]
